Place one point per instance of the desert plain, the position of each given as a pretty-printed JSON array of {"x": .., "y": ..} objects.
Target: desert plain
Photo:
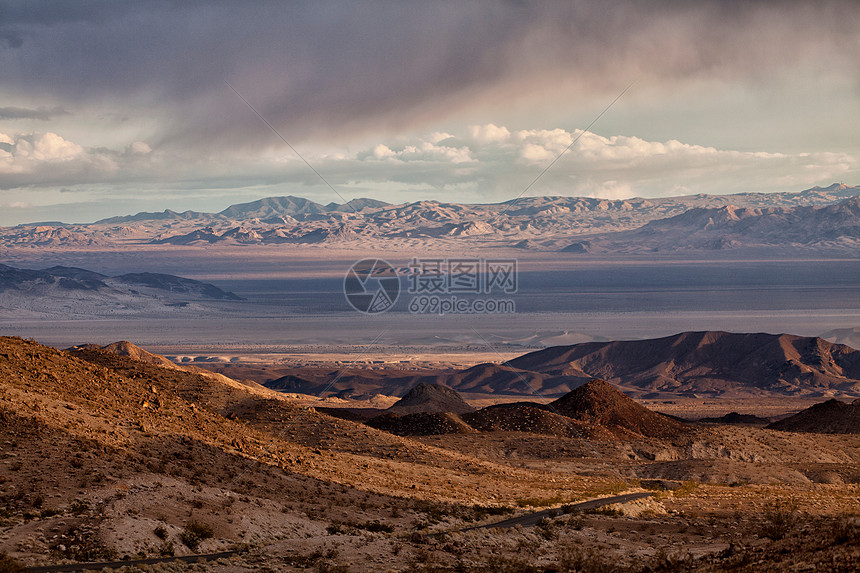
[{"x": 256, "y": 422}]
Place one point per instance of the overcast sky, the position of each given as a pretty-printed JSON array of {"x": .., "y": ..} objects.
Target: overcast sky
[{"x": 111, "y": 108}]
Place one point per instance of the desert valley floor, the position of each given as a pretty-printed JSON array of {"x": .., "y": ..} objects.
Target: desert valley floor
[{"x": 708, "y": 394}]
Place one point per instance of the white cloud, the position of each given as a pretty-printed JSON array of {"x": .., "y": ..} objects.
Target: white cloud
[
  {"x": 489, "y": 162},
  {"x": 48, "y": 159},
  {"x": 489, "y": 133},
  {"x": 32, "y": 149},
  {"x": 423, "y": 150},
  {"x": 498, "y": 160},
  {"x": 381, "y": 151},
  {"x": 139, "y": 148}
]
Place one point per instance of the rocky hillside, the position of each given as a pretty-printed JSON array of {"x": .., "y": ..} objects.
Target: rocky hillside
[
  {"x": 708, "y": 363},
  {"x": 431, "y": 398},
  {"x": 598, "y": 403},
  {"x": 830, "y": 417},
  {"x": 594, "y": 410},
  {"x": 105, "y": 457}
]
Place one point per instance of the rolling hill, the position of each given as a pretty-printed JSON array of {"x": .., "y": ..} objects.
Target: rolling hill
[
  {"x": 830, "y": 417},
  {"x": 71, "y": 291},
  {"x": 594, "y": 410},
  {"x": 431, "y": 398},
  {"x": 707, "y": 363}
]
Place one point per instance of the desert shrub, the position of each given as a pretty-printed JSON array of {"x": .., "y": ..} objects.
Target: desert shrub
[
  {"x": 435, "y": 512},
  {"x": 160, "y": 532},
  {"x": 195, "y": 532},
  {"x": 545, "y": 529},
  {"x": 166, "y": 549},
  {"x": 780, "y": 516},
  {"x": 575, "y": 521},
  {"x": 81, "y": 544},
  {"x": 604, "y": 510},
  {"x": 677, "y": 561},
  {"x": 79, "y": 506},
  {"x": 511, "y": 565},
  {"x": 845, "y": 528},
  {"x": 335, "y": 528},
  {"x": 9, "y": 565},
  {"x": 324, "y": 567},
  {"x": 479, "y": 512},
  {"x": 338, "y": 528},
  {"x": 376, "y": 527},
  {"x": 573, "y": 557},
  {"x": 686, "y": 489}
]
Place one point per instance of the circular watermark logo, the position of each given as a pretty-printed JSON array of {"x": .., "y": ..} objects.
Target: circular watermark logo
[{"x": 371, "y": 286}]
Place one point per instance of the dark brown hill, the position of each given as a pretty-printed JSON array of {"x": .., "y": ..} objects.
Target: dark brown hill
[
  {"x": 737, "y": 418},
  {"x": 706, "y": 362},
  {"x": 531, "y": 418},
  {"x": 830, "y": 417},
  {"x": 421, "y": 424},
  {"x": 488, "y": 377},
  {"x": 709, "y": 363},
  {"x": 599, "y": 403},
  {"x": 426, "y": 398},
  {"x": 595, "y": 410},
  {"x": 126, "y": 348}
]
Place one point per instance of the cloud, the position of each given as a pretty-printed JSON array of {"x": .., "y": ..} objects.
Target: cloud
[
  {"x": 326, "y": 72},
  {"x": 24, "y": 152},
  {"x": 45, "y": 147},
  {"x": 45, "y": 159},
  {"x": 42, "y": 113},
  {"x": 485, "y": 162},
  {"x": 501, "y": 165},
  {"x": 138, "y": 148},
  {"x": 489, "y": 133}
]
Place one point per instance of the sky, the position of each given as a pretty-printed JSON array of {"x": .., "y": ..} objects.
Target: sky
[{"x": 110, "y": 108}]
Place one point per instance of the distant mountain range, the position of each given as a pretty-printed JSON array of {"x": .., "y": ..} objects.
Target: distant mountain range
[
  {"x": 70, "y": 291},
  {"x": 730, "y": 226},
  {"x": 270, "y": 208},
  {"x": 817, "y": 219},
  {"x": 691, "y": 364}
]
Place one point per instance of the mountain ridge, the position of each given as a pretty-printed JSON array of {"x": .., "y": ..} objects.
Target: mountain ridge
[
  {"x": 817, "y": 220},
  {"x": 703, "y": 363}
]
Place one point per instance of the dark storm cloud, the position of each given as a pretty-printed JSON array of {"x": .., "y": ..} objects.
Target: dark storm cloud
[
  {"x": 42, "y": 113},
  {"x": 329, "y": 69}
]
